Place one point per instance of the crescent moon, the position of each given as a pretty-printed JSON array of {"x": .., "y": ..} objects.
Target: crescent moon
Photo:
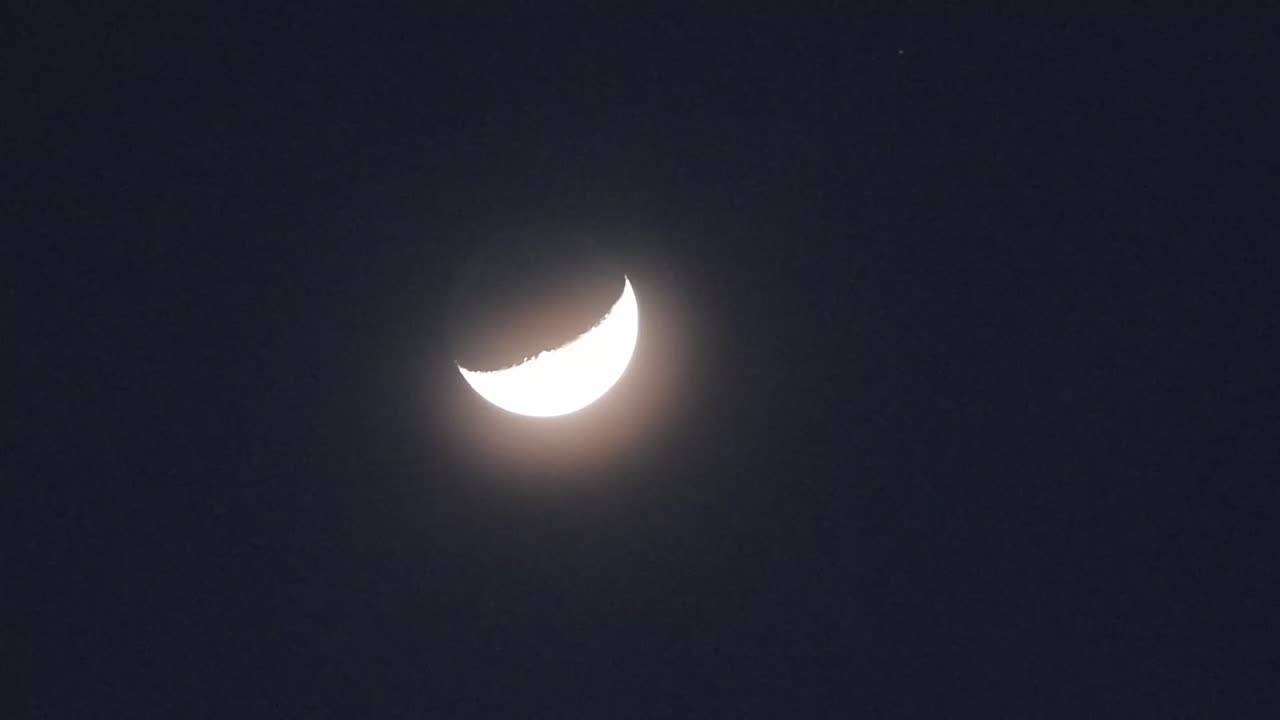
[{"x": 572, "y": 376}]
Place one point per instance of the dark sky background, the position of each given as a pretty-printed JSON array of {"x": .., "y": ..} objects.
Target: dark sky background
[{"x": 972, "y": 411}]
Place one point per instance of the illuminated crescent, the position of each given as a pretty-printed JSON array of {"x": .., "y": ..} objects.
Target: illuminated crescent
[{"x": 572, "y": 376}]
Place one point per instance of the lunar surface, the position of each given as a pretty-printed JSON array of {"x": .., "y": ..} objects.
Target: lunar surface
[{"x": 570, "y": 377}]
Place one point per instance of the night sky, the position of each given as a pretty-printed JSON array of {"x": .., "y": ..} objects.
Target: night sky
[{"x": 954, "y": 396}]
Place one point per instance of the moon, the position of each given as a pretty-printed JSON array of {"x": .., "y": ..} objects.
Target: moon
[{"x": 572, "y": 376}]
